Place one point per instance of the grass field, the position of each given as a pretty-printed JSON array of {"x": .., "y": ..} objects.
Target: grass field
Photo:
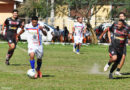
[{"x": 62, "y": 69}]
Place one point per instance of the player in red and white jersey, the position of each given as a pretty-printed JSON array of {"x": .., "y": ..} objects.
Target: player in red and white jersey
[{"x": 78, "y": 30}]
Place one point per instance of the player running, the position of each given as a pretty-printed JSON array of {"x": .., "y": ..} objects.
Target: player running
[
  {"x": 118, "y": 43},
  {"x": 122, "y": 16},
  {"x": 35, "y": 47},
  {"x": 12, "y": 24},
  {"x": 78, "y": 30}
]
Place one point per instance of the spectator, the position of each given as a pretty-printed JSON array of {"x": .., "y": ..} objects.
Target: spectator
[
  {"x": 56, "y": 34},
  {"x": 66, "y": 32}
]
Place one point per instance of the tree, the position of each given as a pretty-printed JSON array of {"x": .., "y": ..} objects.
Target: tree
[
  {"x": 120, "y": 6},
  {"x": 84, "y": 7},
  {"x": 40, "y": 8}
]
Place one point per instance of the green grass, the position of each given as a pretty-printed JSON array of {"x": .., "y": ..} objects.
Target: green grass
[{"x": 62, "y": 69}]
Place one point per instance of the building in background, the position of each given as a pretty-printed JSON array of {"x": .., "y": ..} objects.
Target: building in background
[{"x": 6, "y": 7}]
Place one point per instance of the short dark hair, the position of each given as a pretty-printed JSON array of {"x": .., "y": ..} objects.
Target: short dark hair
[
  {"x": 35, "y": 18},
  {"x": 122, "y": 13},
  {"x": 120, "y": 20},
  {"x": 79, "y": 17},
  {"x": 15, "y": 10}
]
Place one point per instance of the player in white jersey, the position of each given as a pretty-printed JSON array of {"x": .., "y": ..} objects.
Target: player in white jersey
[
  {"x": 78, "y": 30},
  {"x": 35, "y": 47}
]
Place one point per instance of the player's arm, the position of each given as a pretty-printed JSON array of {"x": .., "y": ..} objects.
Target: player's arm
[
  {"x": 2, "y": 29},
  {"x": 85, "y": 29},
  {"x": 128, "y": 35},
  {"x": 73, "y": 30},
  {"x": 100, "y": 37},
  {"x": 43, "y": 31},
  {"x": 22, "y": 31},
  {"x": 22, "y": 25},
  {"x": 3, "y": 26},
  {"x": 109, "y": 35},
  {"x": 129, "y": 39}
]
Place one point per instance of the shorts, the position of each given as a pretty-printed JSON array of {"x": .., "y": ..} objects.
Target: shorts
[
  {"x": 11, "y": 38},
  {"x": 119, "y": 53},
  {"x": 38, "y": 50},
  {"x": 78, "y": 39}
]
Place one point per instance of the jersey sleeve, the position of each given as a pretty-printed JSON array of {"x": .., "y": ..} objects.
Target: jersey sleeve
[
  {"x": 25, "y": 27},
  {"x": 6, "y": 22},
  {"x": 111, "y": 27},
  {"x": 84, "y": 26},
  {"x": 41, "y": 24},
  {"x": 128, "y": 29},
  {"x": 20, "y": 23}
]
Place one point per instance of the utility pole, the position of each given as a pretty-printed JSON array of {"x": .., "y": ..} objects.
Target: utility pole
[{"x": 52, "y": 12}]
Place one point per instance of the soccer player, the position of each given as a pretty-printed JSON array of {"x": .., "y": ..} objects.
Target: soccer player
[
  {"x": 118, "y": 43},
  {"x": 12, "y": 24},
  {"x": 34, "y": 38},
  {"x": 78, "y": 30},
  {"x": 122, "y": 16}
]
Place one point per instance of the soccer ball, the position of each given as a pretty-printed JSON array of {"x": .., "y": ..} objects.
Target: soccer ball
[{"x": 31, "y": 73}]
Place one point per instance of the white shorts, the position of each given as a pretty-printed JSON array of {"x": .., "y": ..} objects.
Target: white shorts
[
  {"x": 78, "y": 39},
  {"x": 38, "y": 50}
]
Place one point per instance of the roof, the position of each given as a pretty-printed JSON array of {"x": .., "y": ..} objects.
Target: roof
[{"x": 19, "y": 0}]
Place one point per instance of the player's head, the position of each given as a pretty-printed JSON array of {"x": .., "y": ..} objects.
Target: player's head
[
  {"x": 15, "y": 13},
  {"x": 34, "y": 21},
  {"x": 120, "y": 23},
  {"x": 80, "y": 19},
  {"x": 122, "y": 15}
]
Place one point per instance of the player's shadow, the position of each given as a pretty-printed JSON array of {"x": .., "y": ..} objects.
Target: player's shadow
[
  {"x": 125, "y": 73},
  {"x": 82, "y": 53},
  {"x": 121, "y": 77},
  {"x": 19, "y": 64},
  {"x": 48, "y": 76}
]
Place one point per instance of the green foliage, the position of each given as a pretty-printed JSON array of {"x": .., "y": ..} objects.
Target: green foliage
[
  {"x": 40, "y": 8},
  {"x": 120, "y": 6}
]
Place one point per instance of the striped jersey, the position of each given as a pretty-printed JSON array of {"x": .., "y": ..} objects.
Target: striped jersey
[
  {"x": 79, "y": 27},
  {"x": 34, "y": 36}
]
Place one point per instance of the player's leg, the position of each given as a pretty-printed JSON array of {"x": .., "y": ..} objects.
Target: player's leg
[
  {"x": 39, "y": 64},
  {"x": 114, "y": 66},
  {"x": 32, "y": 62},
  {"x": 121, "y": 62},
  {"x": 75, "y": 44},
  {"x": 79, "y": 41},
  {"x": 113, "y": 57},
  {"x": 39, "y": 54},
  {"x": 74, "y": 47},
  {"x": 10, "y": 52},
  {"x": 78, "y": 48}
]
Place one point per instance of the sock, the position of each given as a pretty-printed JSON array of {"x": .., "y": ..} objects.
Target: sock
[
  {"x": 109, "y": 63},
  {"x": 77, "y": 50},
  {"x": 114, "y": 66},
  {"x": 39, "y": 65},
  {"x": 9, "y": 55},
  {"x": 32, "y": 63},
  {"x": 118, "y": 69}
]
